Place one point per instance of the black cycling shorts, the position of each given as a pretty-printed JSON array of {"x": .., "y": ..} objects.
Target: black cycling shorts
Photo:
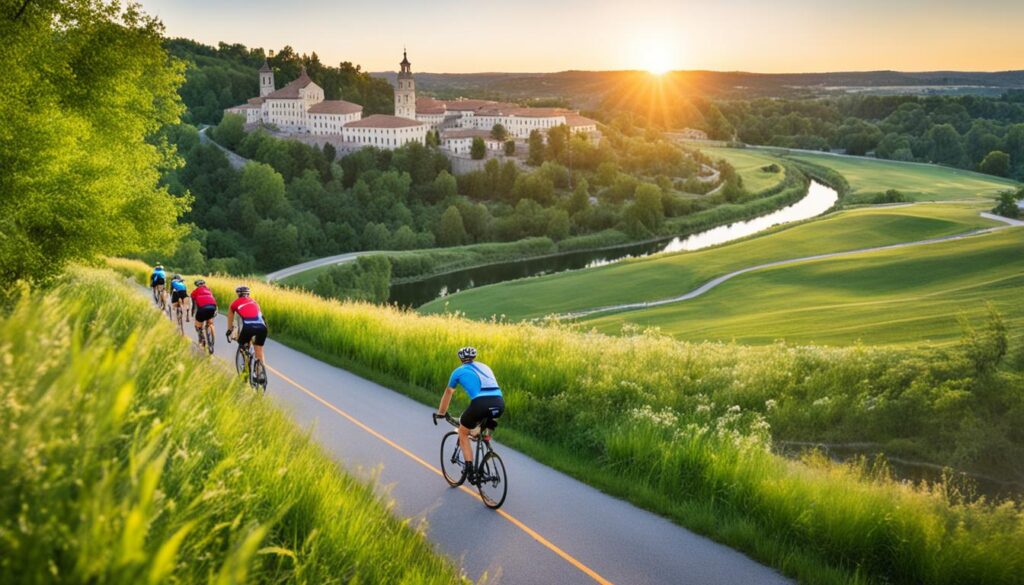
[
  {"x": 255, "y": 331},
  {"x": 480, "y": 408},
  {"x": 158, "y": 281},
  {"x": 178, "y": 295},
  {"x": 205, "y": 313}
]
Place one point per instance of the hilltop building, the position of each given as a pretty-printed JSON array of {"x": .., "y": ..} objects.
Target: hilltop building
[{"x": 300, "y": 108}]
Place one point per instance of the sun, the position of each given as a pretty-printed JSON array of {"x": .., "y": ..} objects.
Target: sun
[{"x": 655, "y": 56}]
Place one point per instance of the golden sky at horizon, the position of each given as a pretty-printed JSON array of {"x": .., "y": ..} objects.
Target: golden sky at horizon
[{"x": 530, "y": 35}]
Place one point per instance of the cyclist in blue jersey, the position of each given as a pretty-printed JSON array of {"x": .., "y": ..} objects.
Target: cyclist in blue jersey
[
  {"x": 179, "y": 294},
  {"x": 485, "y": 400},
  {"x": 157, "y": 279}
]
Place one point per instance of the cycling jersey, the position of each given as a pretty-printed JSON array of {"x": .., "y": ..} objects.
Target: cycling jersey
[
  {"x": 178, "y": 286},
  {"x": 203, "y": 297},
  {"x": 248, "y": 310},
  {"x": 476, "y": 379},
  {"x": 158, "y": 277}
]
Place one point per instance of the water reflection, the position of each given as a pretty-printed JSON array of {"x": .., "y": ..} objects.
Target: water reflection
[{"x": 819, "y": 199}]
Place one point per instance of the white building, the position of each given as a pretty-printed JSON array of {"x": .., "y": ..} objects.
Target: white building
[{"x": 300, "y": 108}]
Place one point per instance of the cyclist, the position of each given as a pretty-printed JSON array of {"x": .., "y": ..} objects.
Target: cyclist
[
  {"x": 179, "y": 293},
  {"x": 157, "y": 279},
  {"x": 204, "y": 307},
  {"x": 253, "y": 325},
  {"x": 485, "y": 400}
]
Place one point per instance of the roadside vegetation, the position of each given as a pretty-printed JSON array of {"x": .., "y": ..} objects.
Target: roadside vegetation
[
  {"x": 127, "y": 459},
  {"x": 667, "y": 275},
  {"x": 686, "y": 429}
]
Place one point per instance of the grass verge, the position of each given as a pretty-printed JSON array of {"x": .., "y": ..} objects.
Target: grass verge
[{"x": 127, "y": 460}]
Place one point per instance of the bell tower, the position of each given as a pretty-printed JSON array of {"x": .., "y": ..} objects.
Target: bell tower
[
  {"x": 266, "y": 78},
  {"x": 405, "y": 92}
]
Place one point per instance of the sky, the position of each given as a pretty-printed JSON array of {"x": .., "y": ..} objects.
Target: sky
[{"x": 458, "y": 36}]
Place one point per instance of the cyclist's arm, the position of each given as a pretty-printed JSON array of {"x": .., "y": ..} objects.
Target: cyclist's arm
[
  {"x": 231, "y": 319},
  {"x": 445, "y": 400}
]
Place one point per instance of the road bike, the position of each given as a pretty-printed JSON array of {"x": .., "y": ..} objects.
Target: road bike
[
  {"x": 205, "y": 335},
  {"x": 160, "y": 298},
  {"x": 179, "y": 314},
  {"x": 491, "y": 480},
  {"x": 246, "y": 363}
]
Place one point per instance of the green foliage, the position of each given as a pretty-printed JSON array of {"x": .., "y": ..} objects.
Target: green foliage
[
  {"x": 450, "y": 231},
  {"x": 1007, "y": 206},
  {"x": 368, "y": 278},
  {"x": 87, "y": 87},
  {"x": 230, "y": 131},
  {"x": 536, "y": 148},
  {"x": 499, "y": 132},
  {"x": 139, "y": 463},
  {"x": 510, "y": 147},
  {"x": 995, "y": 163},
  {"x": 478, "y": 150}
]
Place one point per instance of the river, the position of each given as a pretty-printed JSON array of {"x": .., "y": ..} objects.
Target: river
[{"x": 819, "y": 199}]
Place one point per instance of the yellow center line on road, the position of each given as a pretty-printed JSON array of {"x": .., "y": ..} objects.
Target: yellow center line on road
[{"x": 515, "y": 521}]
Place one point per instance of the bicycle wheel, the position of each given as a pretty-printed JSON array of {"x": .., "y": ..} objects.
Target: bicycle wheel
[
  {"x": 209, "y": 339},
  {"x": 452, "y": 467},
  {"x": 240, "y": 360},
  {"x": 181, "y": 324},
  {"x": 258, "y": 378},
  {"x": 492, "y": 481}
]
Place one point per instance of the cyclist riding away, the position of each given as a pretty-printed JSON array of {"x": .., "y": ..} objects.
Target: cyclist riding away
[
  {"x": 157, "y": 279},
  {"x": 179, "y": 293},
  {"x": 253, "y": 325},
  {"x": 485, "y": 400},
  {"x": 204, "y": 306}
]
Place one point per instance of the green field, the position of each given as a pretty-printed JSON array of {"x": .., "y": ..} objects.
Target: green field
[
  {"x": 748, "y": 164},
  {"x": 919, "y": 181},
  {"x": 670, "y": 275},
  {"x": 901, "y": 296}
]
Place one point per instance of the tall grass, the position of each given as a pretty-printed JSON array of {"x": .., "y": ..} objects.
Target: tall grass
[
  {"x": 681, "y": 428},
  {"x": 125, "y": 459}
]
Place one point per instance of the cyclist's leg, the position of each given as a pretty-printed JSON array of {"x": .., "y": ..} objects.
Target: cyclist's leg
[{"x": 259, "y": 337}]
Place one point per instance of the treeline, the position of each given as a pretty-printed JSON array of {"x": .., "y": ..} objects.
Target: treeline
[
  {"x": 227, "y": 75},
  {"x": 985, "y": 134}
]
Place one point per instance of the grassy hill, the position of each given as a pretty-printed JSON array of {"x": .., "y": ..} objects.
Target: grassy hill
[
  {"x": 126, "y": 459},
  {"x": 674, "y": 274},
  {"x": 922, "y": 182},
  {"x": 749, "y": 164},
  {"x": 903, "y": 296}
]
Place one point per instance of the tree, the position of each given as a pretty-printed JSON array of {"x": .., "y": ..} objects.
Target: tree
[
  {"x": 433, "y": 139},
  {"x": 230, "y": 132},
  {"x": 478, "y": 150},
  {"x": 265, "y": 187},
  {"x": 945, "y": 145},
  {"x": 995, "y": 163},
  {"x": 536, "y": 145},
  {"x": 451, "y": 231},
  {"x": 376, "y": 236},
  {"x": 580, "y": 199},
  {"x": 498, "y": 132},
  {"x": 445, "y": 186},
  {"x": 649, "y": 208},
  {"x": 1007, "y": 206},
  {"x": 403, "y": 239},
  {"x": 85, "y": 84},
  {"x": 558, "y": 138},
  {"x": 330, "y": 153},
  {"x": 510, "y": 147}
]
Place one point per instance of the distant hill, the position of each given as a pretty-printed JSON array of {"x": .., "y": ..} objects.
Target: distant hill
[{"x": 586, "y": 89}]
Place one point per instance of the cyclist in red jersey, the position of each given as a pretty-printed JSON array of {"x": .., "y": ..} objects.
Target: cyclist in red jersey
[
  {"x": 253, "y": 325},
  {"x": 204, "y": 306}
]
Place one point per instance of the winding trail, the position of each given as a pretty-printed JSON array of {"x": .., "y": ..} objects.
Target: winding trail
[
  {"x": 326, "y": 261},
  {"x": 725, "y": 277}
]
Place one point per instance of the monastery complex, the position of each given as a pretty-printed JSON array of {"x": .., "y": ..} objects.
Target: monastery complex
[{"x": 299, "y": 108}]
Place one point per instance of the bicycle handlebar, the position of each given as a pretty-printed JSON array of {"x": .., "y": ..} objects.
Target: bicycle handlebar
[{"x": 446, "y": 417}]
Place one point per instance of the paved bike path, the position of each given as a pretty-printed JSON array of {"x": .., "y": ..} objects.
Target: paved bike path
[{"x": 552, "y": 528}]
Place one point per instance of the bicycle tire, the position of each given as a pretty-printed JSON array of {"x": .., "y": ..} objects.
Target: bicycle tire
[
  {"x": 240, "y": 364},
  {"x": 181, "y": 322},
  {"x": 452, "y": 466},
  {"x": 209, "y": 339},
  {"x": 492, "y": 481},
  {"x": 258, "y": 377}
]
